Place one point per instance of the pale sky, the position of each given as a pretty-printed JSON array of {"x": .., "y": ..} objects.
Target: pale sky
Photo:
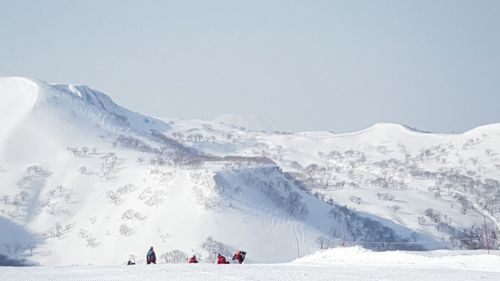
[{"x": 305, "y": 65}]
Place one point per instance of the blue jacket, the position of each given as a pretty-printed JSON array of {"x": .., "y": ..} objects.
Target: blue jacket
[{"x": 151, "y": 255}]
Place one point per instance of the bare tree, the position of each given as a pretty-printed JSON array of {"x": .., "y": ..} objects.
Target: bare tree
[
  {"x": 355, "y": 199},
  {"x": 91, "y": 241},
  {"x": 174, "y": 256},
  {"x": 323, "y": 242},
  {"x": 58, "y": 230},
  {"x": 31, "y": 247},
  {"x": 17, "y": 202},
  {"x": 396, "y": 208},
  {"x": 83, "y": 170},
  {"x": 114, "y": 197},
  {"x": 421, "y": 220},
  {"x": 126, "y": 230},
  {"x": 23, "y": 195}
]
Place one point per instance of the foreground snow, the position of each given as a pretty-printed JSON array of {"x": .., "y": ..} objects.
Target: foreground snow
[{"x": 336, "y": 264}]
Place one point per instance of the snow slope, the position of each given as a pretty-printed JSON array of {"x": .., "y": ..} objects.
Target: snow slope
[
  {"x": 79, "y": 172},
  {"x": 245, "y": 122},
  {"x": 82, "y": 173},
  {"x": 436, "y": 185}
]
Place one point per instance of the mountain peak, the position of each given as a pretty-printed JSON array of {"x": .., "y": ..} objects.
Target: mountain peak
[
  {"x": 19, "y": 95},
  {"x": 250, "y": 122}
]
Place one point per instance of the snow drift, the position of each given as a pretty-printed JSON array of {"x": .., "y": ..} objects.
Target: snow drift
[{"x": 468, "y": 260}]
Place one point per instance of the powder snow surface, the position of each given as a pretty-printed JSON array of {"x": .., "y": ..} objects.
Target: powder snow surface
[
  {"x": 336, "y": 264},
  {"x": 465, "y": 260}
]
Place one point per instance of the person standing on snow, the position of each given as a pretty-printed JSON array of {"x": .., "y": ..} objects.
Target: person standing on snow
[
  {"x": 151, "y": 256},
  {"x": 193, "y": 259}
]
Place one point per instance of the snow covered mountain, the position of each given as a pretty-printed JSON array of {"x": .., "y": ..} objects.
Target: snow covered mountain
[
  {"x": 245, "y": 122},
  {"x": 84, "y": 180}
]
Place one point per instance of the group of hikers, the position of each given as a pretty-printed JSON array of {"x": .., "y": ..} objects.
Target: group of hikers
[{"x": 238, "y": 256}]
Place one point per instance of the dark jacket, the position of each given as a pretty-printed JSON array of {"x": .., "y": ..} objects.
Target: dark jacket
[
  {"x": 239, "y": 256},
  {"x": 151, "y": 256}
]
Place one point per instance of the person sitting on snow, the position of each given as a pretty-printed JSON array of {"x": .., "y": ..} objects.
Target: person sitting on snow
[
  {"x": 151, "y": 256},
  {"x": 239, "y": 256},
  {"x": 193, "y": 259},
  {"x": 221, "y": 259}
]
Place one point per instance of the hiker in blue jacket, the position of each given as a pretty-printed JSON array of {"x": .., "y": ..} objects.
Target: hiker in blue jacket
[{"x": 151, "y": 256}]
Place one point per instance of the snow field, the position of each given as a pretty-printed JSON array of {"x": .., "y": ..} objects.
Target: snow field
[
  {"x": 340, "y": 264},
  {"x": 463, "y": 260}
]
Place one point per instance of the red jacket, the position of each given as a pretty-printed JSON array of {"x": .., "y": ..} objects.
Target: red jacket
[
  {"x": 238, "y": 257},
  {"x": 193, "y": 260},
  {"x": 221, "y": 260}
]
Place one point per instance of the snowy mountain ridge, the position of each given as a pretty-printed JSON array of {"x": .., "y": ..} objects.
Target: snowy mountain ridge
[
  {"x": 248, "y": 122},
  {"x": 79, "y": 171}
]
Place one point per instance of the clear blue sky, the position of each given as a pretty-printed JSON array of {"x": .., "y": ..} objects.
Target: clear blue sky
[{"x": 306, "y": 65}]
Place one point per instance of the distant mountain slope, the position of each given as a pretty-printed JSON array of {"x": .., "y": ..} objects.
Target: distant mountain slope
[
  {"x": 79, "y": 172},
  {"x": 245, "y": 122},
  {"x": 440, "y": 185}
]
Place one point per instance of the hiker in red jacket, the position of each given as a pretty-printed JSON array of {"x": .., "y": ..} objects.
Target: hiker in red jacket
[
  {"x": 221, "y": 259},
  {"x": 239, "y": 256},
  {"x": 193, "y": 259}
]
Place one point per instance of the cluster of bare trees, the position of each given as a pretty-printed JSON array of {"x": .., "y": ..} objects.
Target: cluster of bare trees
[
  {"x": 152, "y": 197},
  {"x": 465, "y": 189},
  {"x": 17, "y": 201},
  {"x": 325, "y": 242},
  {"x": 116, "y": 197},
  {"x": 174, "y": 256},
  {"x": 58, "y": 230},
  {"x": 271, "y": 182},
  {"x": 82, "y": 151},
  {"x": 352, "y": 169},
  {"x": 135, "y": 144},
  {"x": 214, "y": 247},
  {"x": 88, "y": 238},
  {"x": 109, "y": 165},
  {"x": 126, "y": 230},
  {"x": 33, "y": 177},
  {"x": 386, "y": 196},
  {"x": 206, "y": 196},
  {"x": 358, "y": 230},
  {"x": 15, "y": 249},
  {"x": 468, "y": 238},
  {"x": 56, "y": 198},
  {"x": 130, "y": 214}
]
